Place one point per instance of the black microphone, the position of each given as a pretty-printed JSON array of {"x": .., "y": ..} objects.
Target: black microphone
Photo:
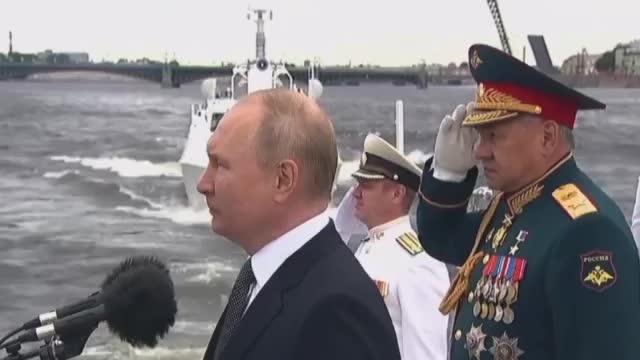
[
  {"x": 137, "y": 302},
  {"x": 81, "y": 322},
  {"x": 96, "y": 298},
  {"x": 46, "y": 318}
]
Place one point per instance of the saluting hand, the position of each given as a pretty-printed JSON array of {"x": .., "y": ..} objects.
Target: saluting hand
[
  {"x": 346, "y": 222},
  {"x": 453, "y": 155}
]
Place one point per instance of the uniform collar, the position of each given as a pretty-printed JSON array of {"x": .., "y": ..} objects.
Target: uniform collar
[
  {"x": 377, "y": 232},
  {"x": 518, "y": 200}
]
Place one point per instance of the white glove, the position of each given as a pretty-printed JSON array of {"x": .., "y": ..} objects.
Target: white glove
[
  {"x": 347, "y": 224},
  {"x": 635, "y": 217},
  {"x": 453, "y": 155}
]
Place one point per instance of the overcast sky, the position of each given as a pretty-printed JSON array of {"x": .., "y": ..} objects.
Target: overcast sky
[{"x": 398, "y": 32}]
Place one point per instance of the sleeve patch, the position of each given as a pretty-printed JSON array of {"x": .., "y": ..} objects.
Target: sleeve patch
[
  {"x": 573, "y": 201},
  {"x": 409, "y": 241},
  {"x": 598, "y": 272}
]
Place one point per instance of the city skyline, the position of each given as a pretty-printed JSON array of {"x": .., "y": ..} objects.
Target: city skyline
[{"x": 204, "y": 33}]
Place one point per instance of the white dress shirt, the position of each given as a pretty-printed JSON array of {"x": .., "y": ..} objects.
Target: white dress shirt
[
  {"x": 413, "y": 285},
  {"x": 635, "y": 218},
  {"x": 268, "y": 259}
]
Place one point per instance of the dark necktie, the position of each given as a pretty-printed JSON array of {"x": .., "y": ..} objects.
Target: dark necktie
[{"x": 237, "y": 303}]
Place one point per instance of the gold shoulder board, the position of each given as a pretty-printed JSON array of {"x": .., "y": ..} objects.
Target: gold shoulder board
[
  {"x": 409, "y": 241},
  {"x": 573, "y": 200}
]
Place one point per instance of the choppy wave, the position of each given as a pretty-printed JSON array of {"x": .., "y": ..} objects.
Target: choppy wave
[
  {"x": 202, "y": 272},
  {"x": 59, "y": 174},
  {"x": 179, "y": 214},
  {"x": 125, "y": 167},
  {"x": 124, "y": 351}
]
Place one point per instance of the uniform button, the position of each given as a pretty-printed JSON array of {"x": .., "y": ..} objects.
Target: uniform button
[
  {"x": 471, "y": 296},
  {"x": 485, "y": 259},
  {"x": 458, "y": 334}
]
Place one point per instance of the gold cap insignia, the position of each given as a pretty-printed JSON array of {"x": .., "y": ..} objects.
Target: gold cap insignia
[
  {"x": 475, "y": 60},
  {"x": 493, "y": 105}
]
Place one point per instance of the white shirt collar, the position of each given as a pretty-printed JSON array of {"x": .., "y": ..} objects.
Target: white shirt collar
[
  {"x": 377, "y": 232},
  {"x": 268, "y": 259}
]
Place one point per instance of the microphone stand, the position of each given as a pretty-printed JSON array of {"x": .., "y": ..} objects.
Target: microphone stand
[
  {"x": 57, "y": 348},
  {"x": 13, "y": 352}
]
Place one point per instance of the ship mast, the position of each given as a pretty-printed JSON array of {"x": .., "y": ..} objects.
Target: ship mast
[{"x": 260, "y": 37}]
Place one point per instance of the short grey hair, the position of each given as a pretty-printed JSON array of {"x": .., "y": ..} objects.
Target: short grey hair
[
  {"x": 295, "y": 128},
  {"x": 567, "y": 135}
]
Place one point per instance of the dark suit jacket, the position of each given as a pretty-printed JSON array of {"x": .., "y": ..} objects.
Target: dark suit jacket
[{"x": 320, "y": 304}]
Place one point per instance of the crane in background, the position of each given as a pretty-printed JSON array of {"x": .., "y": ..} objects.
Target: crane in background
[
  {"x": 537, "y": 42},
  {"x": 497, "y": 18}
]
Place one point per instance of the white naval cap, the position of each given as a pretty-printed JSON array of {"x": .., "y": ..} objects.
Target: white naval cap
[{"x": 382, "y": 160}]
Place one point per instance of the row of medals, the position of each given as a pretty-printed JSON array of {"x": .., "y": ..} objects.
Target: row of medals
[
  {"x": 493, "y": 299},
  {"x": 495, "y": 295}
]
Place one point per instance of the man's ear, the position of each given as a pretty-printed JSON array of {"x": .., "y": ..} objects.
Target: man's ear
[
  {"x": 287, "y": 177},
  {"x": 551, "y": 136},
  {"x": 399, "y": 192}
]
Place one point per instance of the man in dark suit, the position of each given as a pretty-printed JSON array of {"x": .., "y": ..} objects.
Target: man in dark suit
[{"x": 301, "y": 294}]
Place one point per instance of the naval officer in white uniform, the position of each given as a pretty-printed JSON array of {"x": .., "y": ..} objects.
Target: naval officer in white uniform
[{"x": 411, "y": 282}]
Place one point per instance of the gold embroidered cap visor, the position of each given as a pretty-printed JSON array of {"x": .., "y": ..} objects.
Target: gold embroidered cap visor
[{"x": 508, "y": 87}]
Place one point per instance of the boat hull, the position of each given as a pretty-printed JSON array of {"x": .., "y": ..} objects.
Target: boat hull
[{"x": 190, "y": 176}]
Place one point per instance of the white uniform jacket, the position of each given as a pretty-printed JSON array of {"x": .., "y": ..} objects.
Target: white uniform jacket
[{"x": 413, "y": 284}]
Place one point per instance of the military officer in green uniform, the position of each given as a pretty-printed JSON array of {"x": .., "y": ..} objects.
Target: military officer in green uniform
[{"x": 549, "y": 270}]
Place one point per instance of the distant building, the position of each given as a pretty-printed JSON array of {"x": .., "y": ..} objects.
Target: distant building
[
  {"x": 78, "y": 57},
  {"x": 50, "y": 57},
  {"x": 143, "y": 61},
  {"x": 16, "y": 57},
  {"x": 580, "y": 64},
  {"x": 435, "y": 69},
  {"x": 627, "y": 58},
  {"x": 43, "y": 56}
]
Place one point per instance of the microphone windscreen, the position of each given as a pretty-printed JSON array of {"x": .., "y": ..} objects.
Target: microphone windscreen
[
  {"x": 129, "y": 264},
  {"x": 139, "y": 300}
]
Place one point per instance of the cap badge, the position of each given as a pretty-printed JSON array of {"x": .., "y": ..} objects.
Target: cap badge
[{"x": 475, "y": 60}]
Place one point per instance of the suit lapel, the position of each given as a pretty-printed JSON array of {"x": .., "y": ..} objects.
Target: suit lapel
[
  {"x": 269, "y": 302},
  {"x": 208, "y": 354}
]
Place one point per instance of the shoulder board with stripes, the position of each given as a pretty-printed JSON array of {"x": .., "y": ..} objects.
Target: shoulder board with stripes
[{"x": 409, "y": 241}]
